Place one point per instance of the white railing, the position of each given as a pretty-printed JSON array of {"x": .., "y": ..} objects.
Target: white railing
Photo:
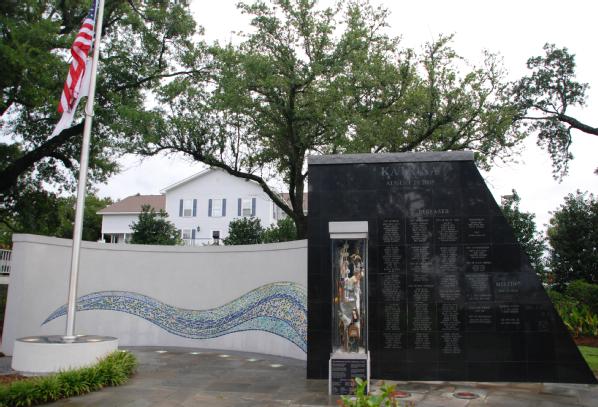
[
  {"x": 198, "y": 242},
  {"x": 5, "y": 262}
]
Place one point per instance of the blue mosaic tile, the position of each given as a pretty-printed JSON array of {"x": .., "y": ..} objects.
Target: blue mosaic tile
[{"x": 279, "y": 308}]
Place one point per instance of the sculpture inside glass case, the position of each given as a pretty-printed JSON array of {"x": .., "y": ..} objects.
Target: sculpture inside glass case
[{"x": 349, "y": 269}]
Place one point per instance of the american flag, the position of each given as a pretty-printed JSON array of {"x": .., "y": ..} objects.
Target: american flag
[{"x": 79, "y": 51}]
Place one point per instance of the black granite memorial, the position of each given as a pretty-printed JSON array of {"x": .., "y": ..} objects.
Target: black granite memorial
[{"x": 451, "y": 295}]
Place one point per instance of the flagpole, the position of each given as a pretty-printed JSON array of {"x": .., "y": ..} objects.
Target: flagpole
[{"x": 84, "y": 162}]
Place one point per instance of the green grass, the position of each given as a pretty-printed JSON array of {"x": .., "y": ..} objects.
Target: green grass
[
  {"x": 591, "y": 356},
  {"x": 114, "y": 370}
]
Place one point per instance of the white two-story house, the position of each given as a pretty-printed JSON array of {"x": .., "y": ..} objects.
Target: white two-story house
[
  {"x": 201, "y": 207},
  {"x": 118, "y": 217}
]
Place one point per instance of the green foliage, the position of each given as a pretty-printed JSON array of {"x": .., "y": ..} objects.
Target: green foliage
[
  {"x": 580, "y": 320},
  {"x": 284, "y": 231},
  {"x": 244, "y": 231},
  {"x": 578, "y": 317},
  {"x": 251, "y": 231},
  {"x": 524, "y": 227},
  {"x": 591, "y": 356},
  {"x": 434, "y": 104},
  {"x": 34, "y": 210},
  {"x": 113, "y": 370},
  {"x": 362, "y": 399},
  {"x": 153, "y": 228},
  {"x": 585, "y": 293},
  {"x": 328, "y": 80},
  {"x": 92, "y": 222},
  {"x": 141, "y": 44},
  {"x": 560, "y": 300},
  {"x": 52, "y": 389},
  {"x": 543, "y": 99},
  {"x": 573, "y": 238}
]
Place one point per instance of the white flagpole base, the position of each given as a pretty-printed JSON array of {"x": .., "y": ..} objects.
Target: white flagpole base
[{"x": 42, "y": 355}]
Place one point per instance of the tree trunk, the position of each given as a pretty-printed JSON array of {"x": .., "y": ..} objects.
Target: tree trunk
[{"x": 301, "y": 225}]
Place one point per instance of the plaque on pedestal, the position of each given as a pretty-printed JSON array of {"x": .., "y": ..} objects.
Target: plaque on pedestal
[{"x": 344, "y": 368}]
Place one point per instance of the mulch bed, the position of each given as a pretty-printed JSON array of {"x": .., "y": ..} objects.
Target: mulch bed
[
  {"x": 587, "y": 341},
  {"x": 9, "y": 378}
]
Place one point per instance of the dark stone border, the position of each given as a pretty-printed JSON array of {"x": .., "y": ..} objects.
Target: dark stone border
[{"x": 390, "y": 157}]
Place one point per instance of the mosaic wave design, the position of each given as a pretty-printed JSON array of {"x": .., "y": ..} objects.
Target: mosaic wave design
[{"x": 279, "y": 308}]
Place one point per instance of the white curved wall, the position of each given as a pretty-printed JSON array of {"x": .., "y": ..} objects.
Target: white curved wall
[{"x": 197, "y": 278}]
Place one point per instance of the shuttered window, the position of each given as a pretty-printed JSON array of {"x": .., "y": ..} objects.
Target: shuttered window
[
  {"x": 217, "y": 208},
  {"x": 187, "y": 208},
  {"x": 246, "y": 207}
]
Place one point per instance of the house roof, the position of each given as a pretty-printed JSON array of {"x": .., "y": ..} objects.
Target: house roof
[
  {"x": 184, "y": 181},
  {"x": 287, "y": 198},
  {"x": 133, "y": 204},
  {"x": 199, "y": 175}
]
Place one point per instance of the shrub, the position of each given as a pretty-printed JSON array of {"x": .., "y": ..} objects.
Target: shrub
[
  {"x": 584, "y": 293},
  {"x": 284, "y": 231},
  {"x": 362, "y": 399},
  {"x": 153, "y": 228},
  {"x": 578, "y": 317},
  {"x": 251, "y": 231},
  {"x": 244, "y": 231},
  {"x": 560, "y": 300},
  {"x": 113, "y": 370}
]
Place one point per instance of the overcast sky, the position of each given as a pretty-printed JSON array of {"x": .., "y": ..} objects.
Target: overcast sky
[{"x": 516, "y": 30}]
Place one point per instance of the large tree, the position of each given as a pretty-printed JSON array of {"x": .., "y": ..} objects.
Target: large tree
[
  {"x": 142, "y": 42},
  {"x": 524, "y": 227},
  {"x": 545, "y": 99},
  {"x": 45, "y": 213},
  {"x": 312, "y": 81},
  {"x": 573, "y": 238},
  {"x": 433, "y": 102}
]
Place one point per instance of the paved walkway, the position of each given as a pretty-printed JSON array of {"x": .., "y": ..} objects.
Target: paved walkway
[{"x": 195, "y": 377}]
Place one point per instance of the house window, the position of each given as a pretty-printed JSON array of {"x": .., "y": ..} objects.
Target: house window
[
  {"x": 246, "y": 207},
  {"x": 187, "y": 208},
  {"x": 217, "y": 207},
  {"x": 186, "y": 234}
]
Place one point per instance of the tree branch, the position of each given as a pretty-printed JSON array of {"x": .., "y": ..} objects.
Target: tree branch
[
  {"x": 63, "y": 158},
  {"x": 8, "y": 225},
  {"x": 236, "y": 173},
  {"x": 157, "y": 76},
  {"x": 576, "y": 124},
  {"x": 10, "y": 174}
]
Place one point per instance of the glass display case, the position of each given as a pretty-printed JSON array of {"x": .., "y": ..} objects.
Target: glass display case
[
  {"x": 349, "y": 296},
  {"x": 350, "y": 357}
]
